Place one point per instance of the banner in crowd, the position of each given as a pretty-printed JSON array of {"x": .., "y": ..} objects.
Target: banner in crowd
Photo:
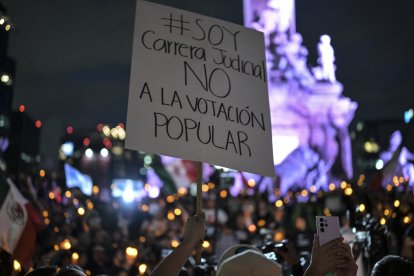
[
  {"x": 198, "y": 90},
  {"x": 76, "y": 179}
]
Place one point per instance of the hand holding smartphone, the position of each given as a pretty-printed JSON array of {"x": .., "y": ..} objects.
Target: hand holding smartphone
[{"x": 327, "y": 229}]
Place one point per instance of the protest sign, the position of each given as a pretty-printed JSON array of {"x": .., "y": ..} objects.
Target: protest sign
[{"x": 198, "y": 90}]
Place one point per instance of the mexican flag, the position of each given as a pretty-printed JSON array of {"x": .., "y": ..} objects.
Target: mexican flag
[{"x": 17, "y": 234}]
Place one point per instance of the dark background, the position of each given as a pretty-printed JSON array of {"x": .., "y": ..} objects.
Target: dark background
[{"x": 73, "y": 57}]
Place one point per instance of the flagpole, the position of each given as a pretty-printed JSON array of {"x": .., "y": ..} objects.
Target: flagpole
[{"x": 199, "y": 201}]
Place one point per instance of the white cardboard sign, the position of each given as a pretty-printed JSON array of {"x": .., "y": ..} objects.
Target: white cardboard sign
[{"x": 198, "y": 90}]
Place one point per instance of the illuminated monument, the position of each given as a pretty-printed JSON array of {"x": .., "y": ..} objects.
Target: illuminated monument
[{"x": 310, "y": 116}]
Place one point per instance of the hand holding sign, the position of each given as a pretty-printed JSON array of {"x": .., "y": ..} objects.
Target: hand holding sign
[{"x": 198, "y": 91}]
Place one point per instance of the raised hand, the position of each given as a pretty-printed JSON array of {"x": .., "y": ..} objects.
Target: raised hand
[
  {"x": 195, "y": 230},
  {"x": 327, "y": 258}
]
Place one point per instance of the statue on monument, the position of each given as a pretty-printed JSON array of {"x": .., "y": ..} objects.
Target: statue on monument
[
  {"x": 326, "y": 69},
  {"x": 310, "y": 116}
]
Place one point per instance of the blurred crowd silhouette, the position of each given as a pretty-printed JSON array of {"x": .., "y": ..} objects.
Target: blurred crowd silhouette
[{"x": 108, "y": 236}]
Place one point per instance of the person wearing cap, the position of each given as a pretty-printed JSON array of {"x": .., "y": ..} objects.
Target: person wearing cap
[{"x": 246, "y": 260}]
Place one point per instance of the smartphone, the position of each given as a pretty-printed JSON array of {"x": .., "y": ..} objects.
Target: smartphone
[{"x": 327, "y": 229}]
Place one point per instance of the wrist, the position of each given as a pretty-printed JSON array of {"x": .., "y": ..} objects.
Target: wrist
[{"x": 312, "y": 271}]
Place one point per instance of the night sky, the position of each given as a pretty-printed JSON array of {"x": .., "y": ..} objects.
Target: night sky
[{"x": 73, "y": 57}]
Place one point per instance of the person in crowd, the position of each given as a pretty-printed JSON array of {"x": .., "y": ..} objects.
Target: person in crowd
[
  {"x": 247, "y": 260},
  {"x": 90, "y": 232},
  {"x": 393, "y": 265},
  {"x": 69, "y": 270}
]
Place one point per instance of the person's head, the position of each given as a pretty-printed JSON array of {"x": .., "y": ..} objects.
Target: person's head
[
  {"x": 43, "y": 271},
  {"x": 278, "y": 214},
  {"x": 98, "y": 254},
  {"x": 69, "y": 270},
  {"x": 91, "y": 222},
  {"x": 393, "y": 265},
  {"x": 246, "y": 260},
  {"x": 300, "y": 224}
]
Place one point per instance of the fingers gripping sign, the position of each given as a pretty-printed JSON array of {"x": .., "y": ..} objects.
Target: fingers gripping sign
[{"x": 195, "y": 230}]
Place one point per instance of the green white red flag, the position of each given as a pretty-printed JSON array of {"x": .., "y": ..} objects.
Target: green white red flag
[
  {"x": 16, "y": 227},
  {"x": 13, "y": 214}
]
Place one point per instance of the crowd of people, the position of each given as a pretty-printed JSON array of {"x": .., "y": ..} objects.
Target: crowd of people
[{"x": 106, "y": 236}]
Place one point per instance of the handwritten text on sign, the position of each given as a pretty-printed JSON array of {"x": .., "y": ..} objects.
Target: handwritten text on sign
[{"x": 199, "y": 90}]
